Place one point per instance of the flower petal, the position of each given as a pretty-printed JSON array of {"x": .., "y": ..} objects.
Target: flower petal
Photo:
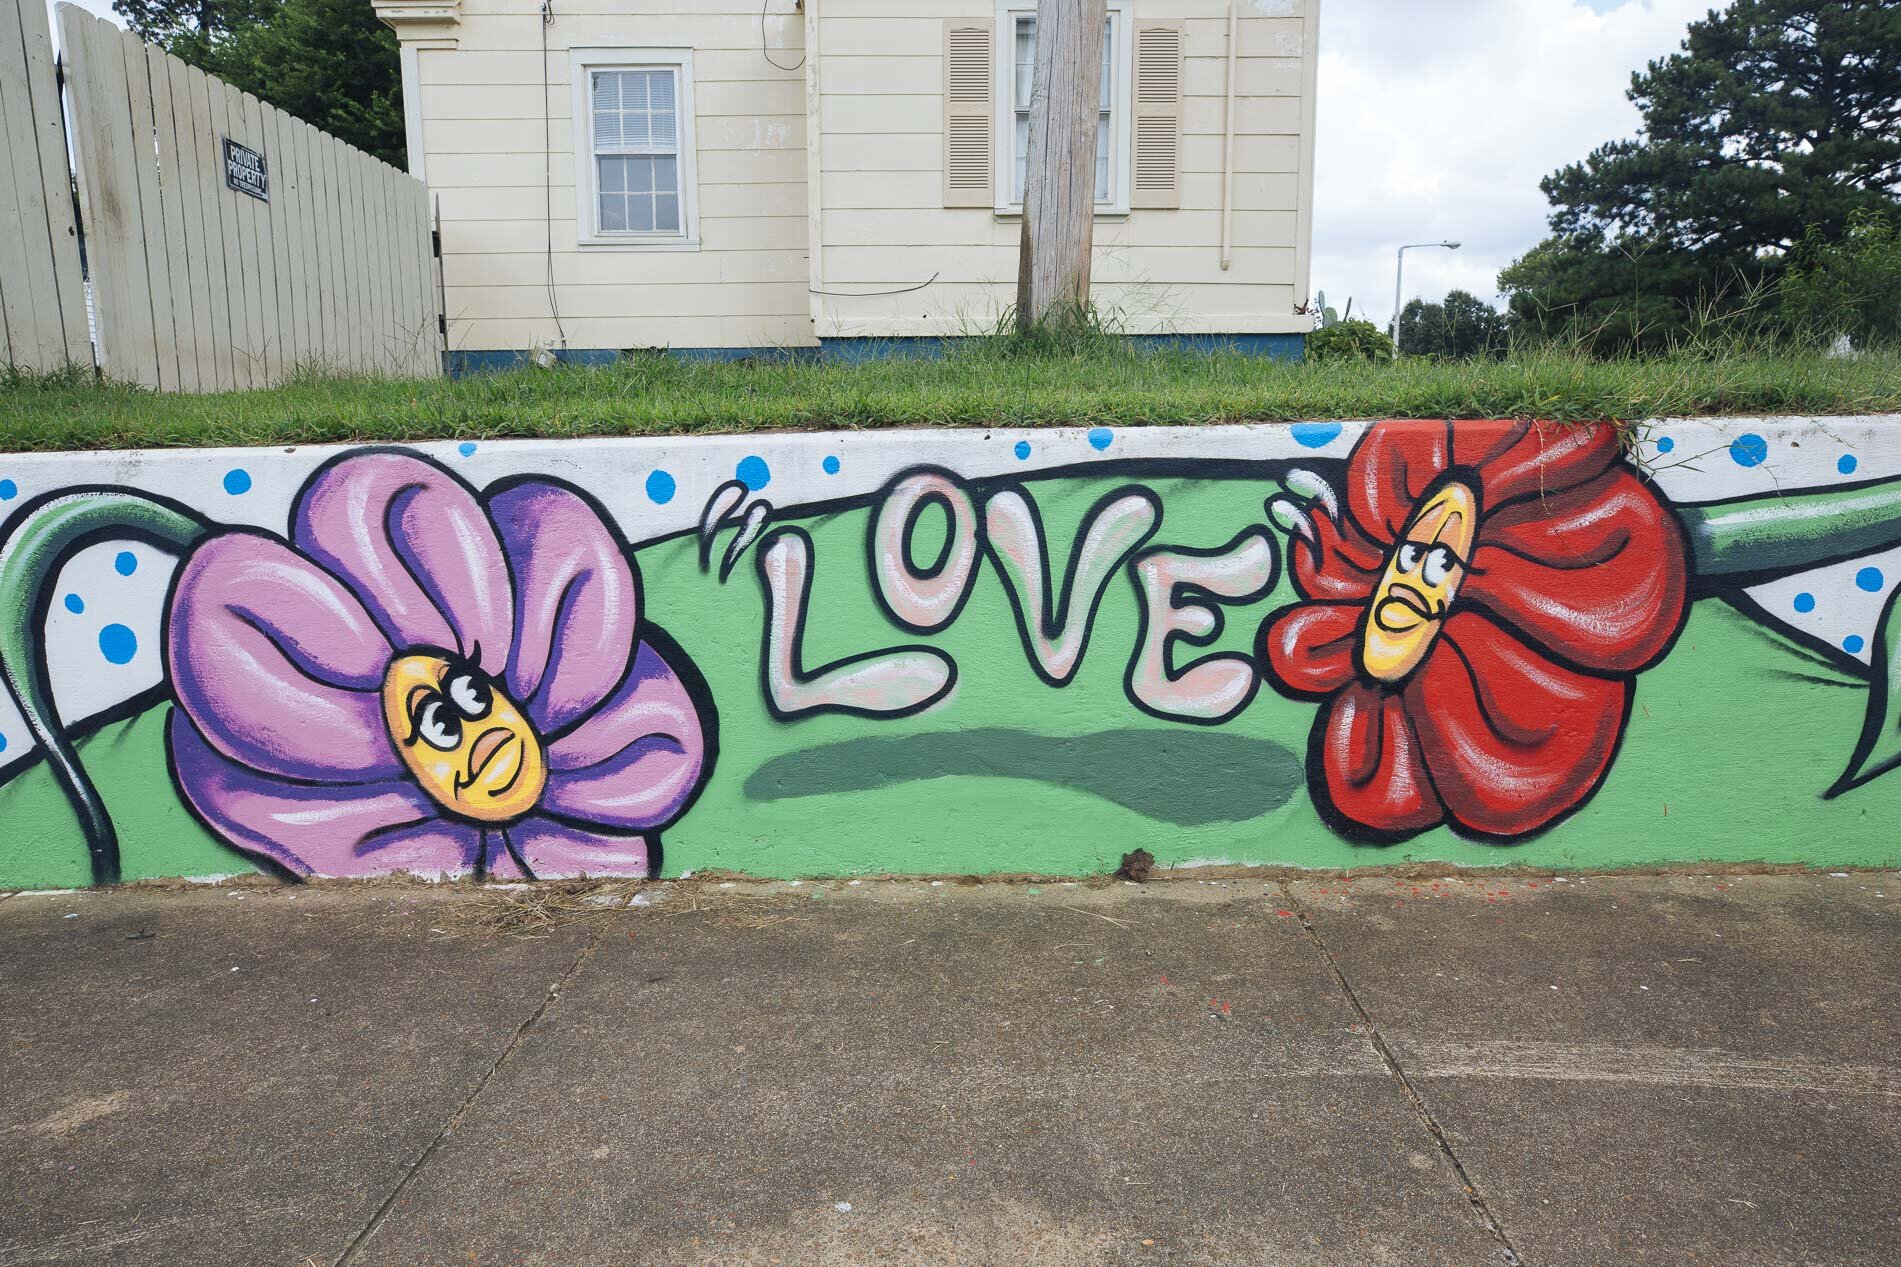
[
  {"x": 438, "y": 849},
  {"x": 339, "y": 829},
  {"x": 1309, "y": 646},
  {"x": 1596, "y": 573},
  {"x": 1334, "y": 559},
  {"x": 1390, "y": 469},
  {"x": 1513, "y": 739},
  {"x": 1374, "y": 774},
  {"x": 277, "y": 664},
  {"x": 636, "y": 762},
  {"x": 501, "y": 864},
  {"x": 413, "y": 543},
  {"x": 559, "y": 851},
  {"x": 576, "y": 602},
  {"x": 1544, "y": 458},
  {"x": 1478, "y": 441}
]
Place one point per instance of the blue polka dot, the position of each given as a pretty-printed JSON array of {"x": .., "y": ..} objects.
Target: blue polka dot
[
  {"x": 126, "y": 564},
  {"x": 1315, "y": 435},
  {"x": 1100, "y": 438},
  {"x": 237, "y": 481},
  {"x": 1749, "y": 450},
  {"x": 1869, "y": 579},
  {"x": 1665, "y": 444},
  {"x": 1847, "y": 463},
  {"x": 660, "y": 487},
  {"x": 3, "y": 743},
  {"x": 1023, "y": 450},
  {"x": 1853, "y": 644},
  {"x": 8, "y": 490},
  {"x": 753, "y": 472},
  {"x": 1805, "y": 602},
  {"x": 118, "y": 644},
  {"x": 75, "y": 604},
  {"x": 831, "y": 465},
  {"x": 466, "y": 448}
]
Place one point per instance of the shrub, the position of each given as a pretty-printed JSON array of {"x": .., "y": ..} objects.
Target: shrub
[
  {"x": 1355, "y": 340},
  {"x": 1849, "y": 287}
]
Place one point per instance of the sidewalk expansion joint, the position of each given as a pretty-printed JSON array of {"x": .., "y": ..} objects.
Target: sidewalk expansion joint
[
  {"x": 515, "y": 1040},
  {"x": 1473, "y": 1196}
]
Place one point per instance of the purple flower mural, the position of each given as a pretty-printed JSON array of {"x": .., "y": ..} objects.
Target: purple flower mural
[{"x": 422, "y": 679}]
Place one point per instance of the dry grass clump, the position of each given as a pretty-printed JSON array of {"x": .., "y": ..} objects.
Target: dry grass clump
[{"x": 535, "y": 910}]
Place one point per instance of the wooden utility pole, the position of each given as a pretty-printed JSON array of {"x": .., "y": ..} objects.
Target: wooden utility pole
[{"x": 1059, "y": 185}]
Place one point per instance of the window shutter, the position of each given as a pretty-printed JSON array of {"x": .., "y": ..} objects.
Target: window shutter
[
  {"x": 1157, "y": 122},
  {"x": 969, "y": 114}
]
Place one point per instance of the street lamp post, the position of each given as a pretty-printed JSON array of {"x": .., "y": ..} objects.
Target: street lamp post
[{"x": 1399, "y": 282}]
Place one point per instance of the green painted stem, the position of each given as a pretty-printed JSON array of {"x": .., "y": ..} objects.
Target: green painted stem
[
  {"x": 41, "y": 542},
  {"x": 1792, "y": 532}
]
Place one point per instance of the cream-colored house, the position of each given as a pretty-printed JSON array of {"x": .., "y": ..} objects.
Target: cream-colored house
[{"x": 694, "y": 175}]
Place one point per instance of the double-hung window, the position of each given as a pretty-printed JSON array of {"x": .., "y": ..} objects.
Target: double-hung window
[
  {"x": 634, "y": 147},
  {"x": 1016, "y": 44}
]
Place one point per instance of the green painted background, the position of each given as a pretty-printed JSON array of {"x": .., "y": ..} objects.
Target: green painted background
[{"x": 1732, "y": 741}]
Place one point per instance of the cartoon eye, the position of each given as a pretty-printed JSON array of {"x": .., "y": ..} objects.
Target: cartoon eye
[
  {"x": 1439, "y": 564},
  {"x": 470, "y": 695},
  {"x": 1408, "y": 560},
  {"x": 438, "y": 725}
]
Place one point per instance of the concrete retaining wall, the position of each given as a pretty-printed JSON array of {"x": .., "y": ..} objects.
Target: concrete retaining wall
[{"x": 1328, "y": 644}]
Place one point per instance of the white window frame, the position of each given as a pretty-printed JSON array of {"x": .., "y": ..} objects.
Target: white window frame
[
  {"x": 587, "y": 207},
  {"x": 1121, "y": 98}
]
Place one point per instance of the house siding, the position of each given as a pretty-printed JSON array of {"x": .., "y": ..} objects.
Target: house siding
[
  {"x": 883, "y": 225},
  {"x": 829, "y": 178},
  {"x": 481, "y": 122}
]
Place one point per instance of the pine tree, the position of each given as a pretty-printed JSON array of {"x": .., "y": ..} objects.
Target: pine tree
[{"x": 1775, "y": 120}]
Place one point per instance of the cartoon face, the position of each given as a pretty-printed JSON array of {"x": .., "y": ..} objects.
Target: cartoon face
[
  {"x": 1422, "y": 575},
  {"x": 466, "y": 742}
]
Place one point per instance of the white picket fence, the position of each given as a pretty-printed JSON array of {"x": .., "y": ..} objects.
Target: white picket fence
[
  {"x": 42, "y": 295},
  {"x": 197, "y": 284}
]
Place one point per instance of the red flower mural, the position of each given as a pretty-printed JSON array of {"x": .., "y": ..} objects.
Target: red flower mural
[{"x": 1473, "y": 618}]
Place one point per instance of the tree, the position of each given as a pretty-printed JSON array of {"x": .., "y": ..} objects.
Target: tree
[
  {"x": 1462, "y": 327},
  {"x": 1776, "y": 117},
  {"x": 331, "y": 63},
  {"x": 162, "y": 21},
  {"x": 1622, "y": 296}
]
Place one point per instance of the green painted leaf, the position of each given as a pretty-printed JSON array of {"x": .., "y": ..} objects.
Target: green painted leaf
[
  {"x": 42, "y": 539},
  {"x": 1879, "y": 749},
  {"x": 1779, "y": 533}
]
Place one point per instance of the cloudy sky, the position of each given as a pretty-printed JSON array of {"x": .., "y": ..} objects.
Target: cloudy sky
[{"x": 1438, "y": 117}]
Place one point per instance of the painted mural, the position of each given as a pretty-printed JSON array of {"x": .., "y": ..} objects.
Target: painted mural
[{"x": 954, "y": 652}]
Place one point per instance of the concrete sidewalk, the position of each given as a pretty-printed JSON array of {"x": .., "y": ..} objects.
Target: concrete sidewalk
[{"x": 1560, "y": 1072}]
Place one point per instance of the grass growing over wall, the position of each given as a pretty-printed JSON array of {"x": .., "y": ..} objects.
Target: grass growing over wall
[{"x": 987, "y": 385}]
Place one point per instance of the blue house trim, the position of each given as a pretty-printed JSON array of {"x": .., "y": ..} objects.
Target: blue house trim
[
  {"x": 1280, "y": 347},
  {"x": 463, "y": 361}
]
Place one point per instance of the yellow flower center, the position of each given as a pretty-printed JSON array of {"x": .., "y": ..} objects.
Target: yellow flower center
[
  {"x": 466, "y": 743},
  {"x": 1423, "y": 573}
]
